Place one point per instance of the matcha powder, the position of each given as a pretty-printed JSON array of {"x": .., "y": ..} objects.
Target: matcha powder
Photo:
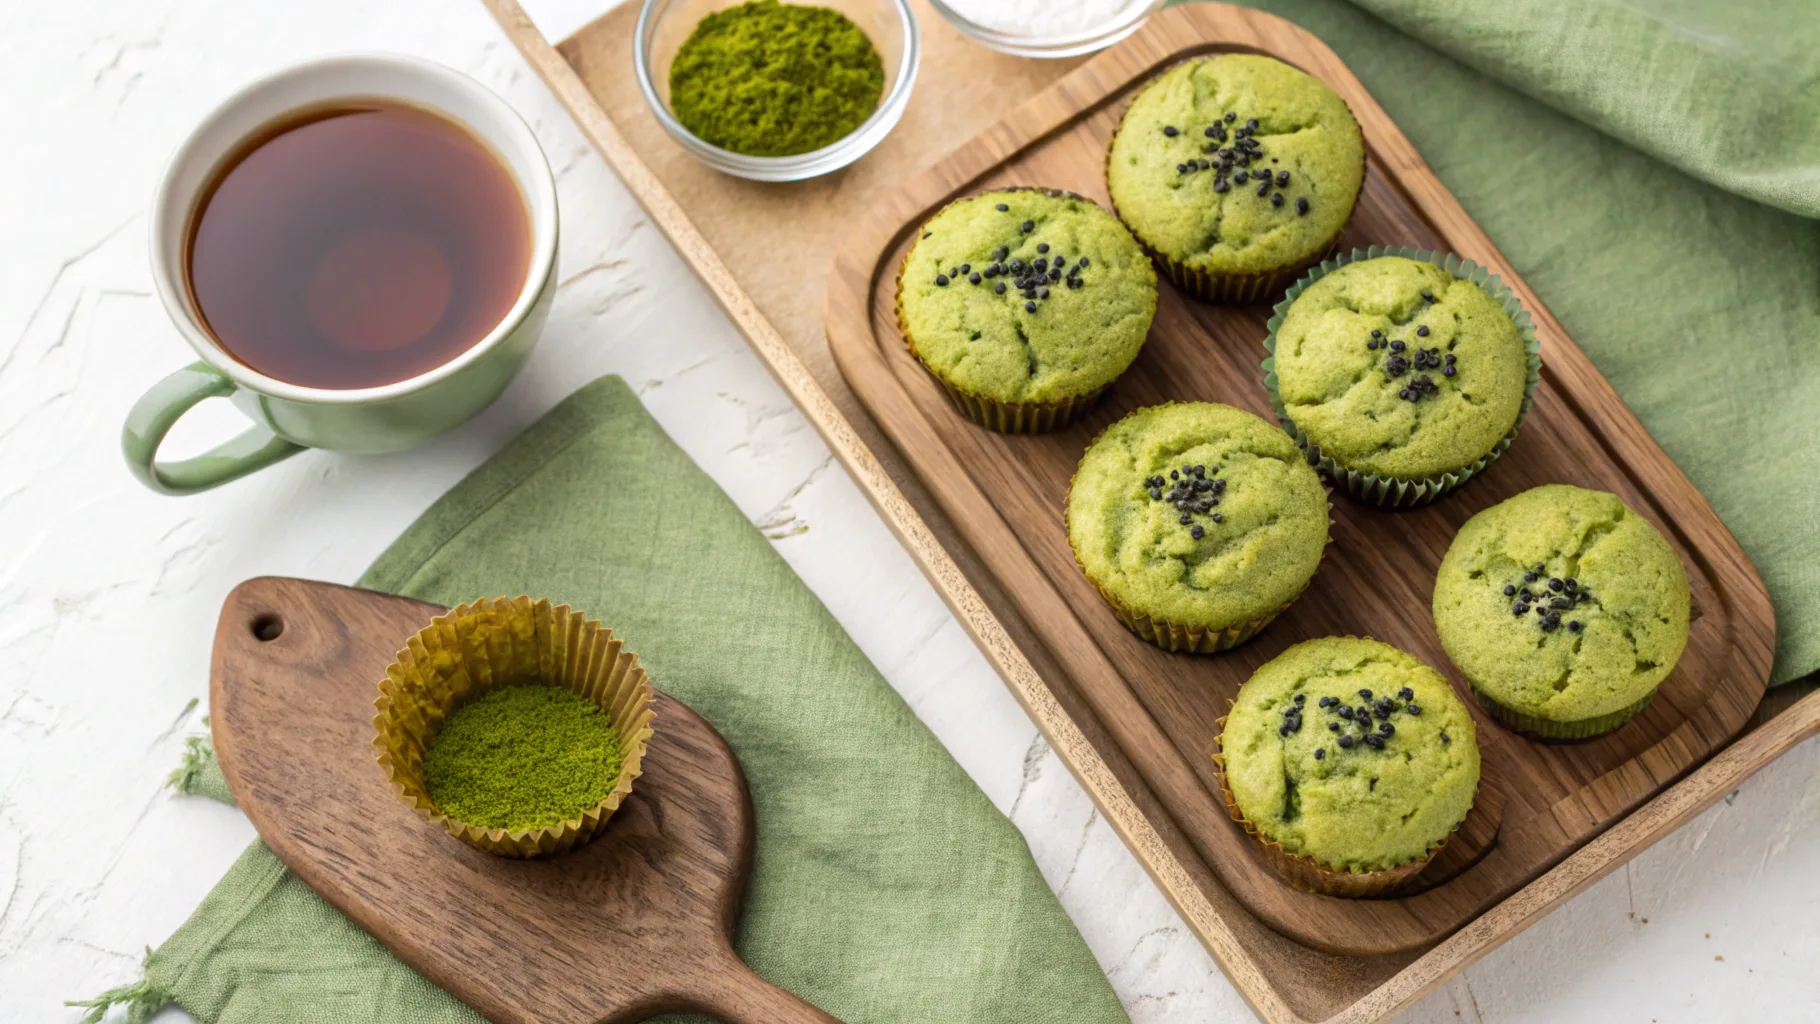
[
  {"x": 522, "y": 757},
  {"x": 771, "y": 79}
]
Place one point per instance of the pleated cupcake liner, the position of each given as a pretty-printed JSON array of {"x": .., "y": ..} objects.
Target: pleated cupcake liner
[
  {"x": 1395, "y": 492},
  {"x": 1308, "y": 874},
  {"x": 991, "y": 413},
  {"x": 498, "y": 642},
  {"x": 1550, "y": 730},
  {"x": 1227, "y": 288}
]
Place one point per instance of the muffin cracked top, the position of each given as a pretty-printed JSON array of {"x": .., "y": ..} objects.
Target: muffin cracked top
[
  {"x": 1351, "y": 752},
  {"x": 1026, "y": 295},
  {"x": 1562, "y": 603},
  {"x": 1236, "y": 164},
  {"x": 1197, "y": 514},
  {"x": 1396, "y": 367}
]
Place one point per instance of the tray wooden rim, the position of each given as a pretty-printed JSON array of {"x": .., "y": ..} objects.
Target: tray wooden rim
[{"x": 1701, "y": 788}]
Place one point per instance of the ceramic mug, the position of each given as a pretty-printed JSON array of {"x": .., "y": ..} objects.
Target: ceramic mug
[{"x": 287, "y": 417}]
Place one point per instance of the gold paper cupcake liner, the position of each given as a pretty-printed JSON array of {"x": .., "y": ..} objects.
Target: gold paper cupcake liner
[
  {"x": 1227, "y": 288},
  {"x": 503, "y": 642},
  {"x": 994, "y": 415},
  {"x": 1395, "y": 492},
  {"x": 1177, "y": 638},
  {"x": 1308, "y": 874},
  {"x": 1553, "y": 731}
]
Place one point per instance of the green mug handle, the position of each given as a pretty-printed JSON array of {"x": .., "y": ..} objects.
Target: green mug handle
[{"x": 160, "y": 408}]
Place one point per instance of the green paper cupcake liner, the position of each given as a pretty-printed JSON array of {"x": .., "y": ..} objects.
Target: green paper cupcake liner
[
  {"x": 1308, "y": 874},
  {"x": 1547, "y": 729},
  {"x": 1394, "y": 492},
  {"x": 994, "y": 415}
]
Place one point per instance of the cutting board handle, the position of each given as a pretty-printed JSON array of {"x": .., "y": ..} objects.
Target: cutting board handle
[{"x": 738, "y": 996}]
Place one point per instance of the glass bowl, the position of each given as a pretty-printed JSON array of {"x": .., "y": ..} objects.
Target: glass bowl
[
  {"x": 1072, "y": 43},
  {"x": 663, "y": 26}
]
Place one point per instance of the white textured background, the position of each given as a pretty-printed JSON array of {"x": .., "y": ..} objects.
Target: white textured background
[{"x": 108, "y": 594}]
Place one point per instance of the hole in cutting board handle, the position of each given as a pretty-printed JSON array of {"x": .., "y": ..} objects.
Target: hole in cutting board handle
[{"x": 267, "y": 627}]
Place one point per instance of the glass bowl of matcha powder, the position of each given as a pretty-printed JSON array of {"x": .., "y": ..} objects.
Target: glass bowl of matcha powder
[{"x": 777, "y": 91}]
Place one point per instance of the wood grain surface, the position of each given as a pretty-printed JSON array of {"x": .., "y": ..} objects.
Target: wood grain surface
[
  {"x": 762, "y": 251},
  {"x": 637, "y": 922}
]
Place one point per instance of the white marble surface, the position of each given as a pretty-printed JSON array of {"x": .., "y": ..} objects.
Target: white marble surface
[{"x": 108, "y": 594}]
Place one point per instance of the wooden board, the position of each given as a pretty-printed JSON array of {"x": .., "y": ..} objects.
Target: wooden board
[
  {"x": 763, "y": 252},
  {"x": 637, "y": 922},
  {"x": 1007, "y": 493}
]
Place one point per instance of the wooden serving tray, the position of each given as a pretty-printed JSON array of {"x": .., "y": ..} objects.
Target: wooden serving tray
[
  {"x": 1133, "y": 724},
  {"x": 1538, "y": 802}
]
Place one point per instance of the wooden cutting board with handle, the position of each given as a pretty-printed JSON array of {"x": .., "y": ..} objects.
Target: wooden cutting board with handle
[{"x": 636, "y": 923}]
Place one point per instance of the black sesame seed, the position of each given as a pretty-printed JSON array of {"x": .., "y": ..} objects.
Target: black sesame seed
[
  {"x": 928, "y": 234},
  {"x": 1156, "y": 494},
  {"x": 1531, "y": 577},
  {"x": 1376, "y": 742},
  {"x": 1242, "y": 177},
  {"x": 1510, "y": 590},
  {"x": 1571, "y": 584},
  {"x": 1175, "y": 474},
  {"x": 1446, "y": 738},
  {"x": 1029, "y": 307},
  {"x": 1365, "y": 694},
  {"x": 1198, "y": 532},
  {"x": 1327, "y": 702},
  {"x": 1406, "y": 694},
  {"x": 1282, "y": 179},
  {"x": 1230, "y": 117},
  {"x": 1333, "y": 727},
  {"x": 1027, "y": 226},
  {"x": 941, "y": 280},
  {"x": 1387, "y": 729},
  {"x": 1002, "y": 208},
  {"x": 1264, "y": 189},
  {"x": 1186, "y": 519},
  {"x": 998, "y": 289},
  {"x": 1042, "y": 293},
  {"x": 1414, "y": 709},
  {"x": 1345, "y": 741},
  {"x": 1556, "y": 584},
  {"x": 1002, "y": 252},
  {"x": 1171, "y": 130},
  {"x": 1301, "y": 205},
  {"x": 1277, "y": 200},
  {"x": 973, "y": 279},
  {"x": 1397, "y": 346},
  {"x": 1346, "y": 711},
  {"x": 1519, "y": 609},
  {"x": 1042, "y": 247},
  {"x": 1447, "y": 371},
  {"x": 1319, "y": 753},
  {"x": 1422, "y": 331}
]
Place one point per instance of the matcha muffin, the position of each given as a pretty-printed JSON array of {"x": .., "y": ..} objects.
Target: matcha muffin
[
  {"x": 1402, "y": 376},
  {"x": 1198, "y": 522},
  {"x": 1236, "y": 172},
  {"x": 1350, "y": 762},
  {"x": 1025, "y": 304},
  {"x": 1564, "y": 609}
]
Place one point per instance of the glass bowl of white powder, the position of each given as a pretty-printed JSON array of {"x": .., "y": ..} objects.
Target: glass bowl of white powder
[{"x": 1047, "y": 28}]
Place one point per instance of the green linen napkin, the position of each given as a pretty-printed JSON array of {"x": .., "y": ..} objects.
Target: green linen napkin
[
  {"x": 885, "y": 887},
  {"x": 1701, "y": 305}
]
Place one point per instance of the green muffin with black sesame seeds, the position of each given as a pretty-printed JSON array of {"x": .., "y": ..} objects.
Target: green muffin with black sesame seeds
[
  {"x": 1025, "y": 305},
  {"x": 1237, "y": 172},
  {"x": 1198, "y": 522},
  {"x": 1351, "y": 762},
  {"x": 1564, "y": 609},
  {"x": 1406, "y": 375}
]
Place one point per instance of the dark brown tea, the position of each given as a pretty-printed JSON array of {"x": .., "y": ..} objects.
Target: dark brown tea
[{"x": 358, "y": 245}]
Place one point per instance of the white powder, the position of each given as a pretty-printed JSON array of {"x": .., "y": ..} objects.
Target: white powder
[{"x": 1043, "y": 18}]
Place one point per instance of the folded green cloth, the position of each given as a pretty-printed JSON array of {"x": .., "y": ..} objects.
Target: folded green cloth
[
  {"x": 1701, "y": 305},
  {"x": 885, "y": 887}
]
